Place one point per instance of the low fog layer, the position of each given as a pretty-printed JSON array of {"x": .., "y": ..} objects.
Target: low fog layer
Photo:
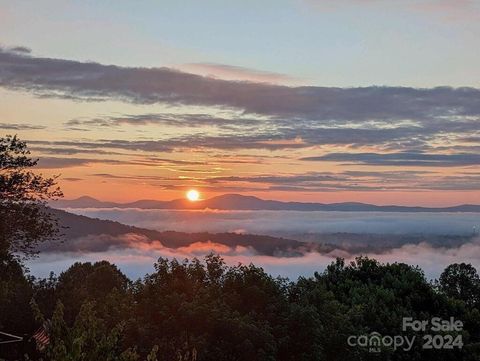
[
  {"x": 290, "y": 222},
  {"x": 138, "y": 260},
  {"x": 135, "y": 254}
]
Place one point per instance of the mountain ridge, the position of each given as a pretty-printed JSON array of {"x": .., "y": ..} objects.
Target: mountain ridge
[{"x": 241, "y": 202}]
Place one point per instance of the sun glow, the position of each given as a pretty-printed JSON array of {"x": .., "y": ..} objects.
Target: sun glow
[{"x": 193, "y": 195}]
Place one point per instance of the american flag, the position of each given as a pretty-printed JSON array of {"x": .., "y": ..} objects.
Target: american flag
[{"x": 41, "y": 336}]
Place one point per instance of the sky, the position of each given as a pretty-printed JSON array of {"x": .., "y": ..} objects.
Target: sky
[{"x": 329, "y": 101}]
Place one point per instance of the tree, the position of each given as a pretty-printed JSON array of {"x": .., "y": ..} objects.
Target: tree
[
  {"x": 88, "y": 338},
  {"x": 461, "y": 281},
  {"x": 24, "y": 218},
  {"x": 101, "y": 283},
  {"x": 193, "y": 310},
  {"x": 24, "y": 222}
]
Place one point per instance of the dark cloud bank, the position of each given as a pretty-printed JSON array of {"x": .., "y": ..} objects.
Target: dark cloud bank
[
  {"x": 401, "y": 120},
  {"x": 150, "y": 85}
]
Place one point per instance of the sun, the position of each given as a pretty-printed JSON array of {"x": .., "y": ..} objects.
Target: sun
[{"x": 193, "y": 195}]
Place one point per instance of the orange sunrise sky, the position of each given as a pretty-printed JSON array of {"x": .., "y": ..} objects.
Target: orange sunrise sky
[{"x": 126, "y": 110}]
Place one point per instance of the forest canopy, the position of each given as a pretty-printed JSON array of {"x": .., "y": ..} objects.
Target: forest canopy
[{"x": 207, "y": 310}]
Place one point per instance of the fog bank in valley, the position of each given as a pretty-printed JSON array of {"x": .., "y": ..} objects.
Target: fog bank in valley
[{"x": 276, "y": 222}]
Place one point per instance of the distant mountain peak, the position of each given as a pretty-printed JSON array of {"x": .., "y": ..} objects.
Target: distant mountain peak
[
  {"x": 235, "y": 196},
  {"x": 85, "y": 198},
  {"x": 232, "y": 201}
]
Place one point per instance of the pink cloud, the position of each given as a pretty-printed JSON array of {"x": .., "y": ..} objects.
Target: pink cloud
[{"x": 232, "y": 72}]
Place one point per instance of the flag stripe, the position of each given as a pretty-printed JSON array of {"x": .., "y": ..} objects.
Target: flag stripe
[{"x": 41, "y": 337}]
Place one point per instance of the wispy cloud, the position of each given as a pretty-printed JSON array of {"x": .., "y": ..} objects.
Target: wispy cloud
[
  {"x": 17, "y": 126},
  {"x": 354, "y": 180},
  {"x": 59, "y": 163},
  {"x": 20, "y": 49},
  {"x": 416, "y": 159},
  {"x": 162, "y": 119}
]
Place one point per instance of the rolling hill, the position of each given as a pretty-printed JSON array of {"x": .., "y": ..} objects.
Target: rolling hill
[{"x": 81, "y": 233}]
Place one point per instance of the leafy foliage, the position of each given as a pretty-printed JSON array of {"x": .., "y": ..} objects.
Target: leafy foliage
[
  {"x": 193, "y": 310},
  {"x": 461, "y": 281},
  {"x": 24, "y": 220}
]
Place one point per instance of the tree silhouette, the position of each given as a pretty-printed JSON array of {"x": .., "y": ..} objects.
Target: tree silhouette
[
  {"x": 461, "y": 281},
  {"x": 24, "y": 218}
]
